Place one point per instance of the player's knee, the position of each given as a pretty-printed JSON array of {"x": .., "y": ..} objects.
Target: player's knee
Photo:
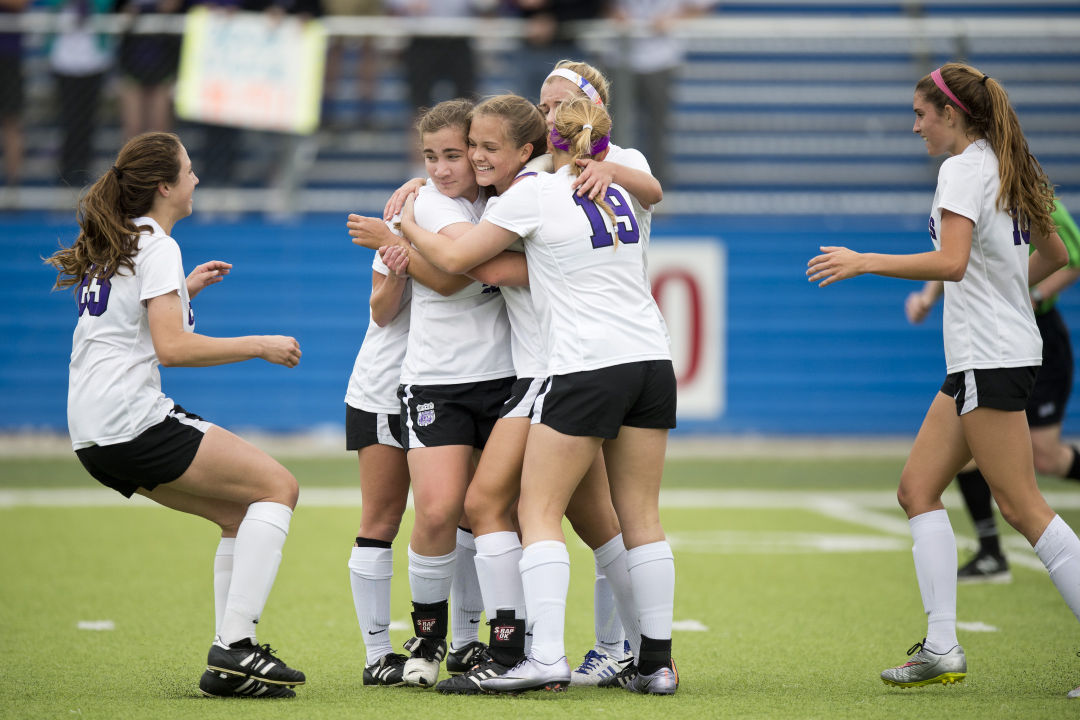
[
  {"x": 1046, "y": 463},
  {"x": 283, "y": 488}
]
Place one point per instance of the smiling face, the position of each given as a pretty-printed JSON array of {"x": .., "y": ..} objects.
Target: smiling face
[
  {"x": 494, "y": 157},
  {"x": 446, "y": 160},
  {"x": 942, "y": 131},
  {"x": 555, "y": 92}
]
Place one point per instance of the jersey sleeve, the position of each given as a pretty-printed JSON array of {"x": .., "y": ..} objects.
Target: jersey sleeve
[
  {"x": 434, "y": 211},
  {"x": 518, "y": 209},
  {"x": 960, "y": 188},
  {"x": 1068, "y": 232},
  {"x": 160, "y": 267}
]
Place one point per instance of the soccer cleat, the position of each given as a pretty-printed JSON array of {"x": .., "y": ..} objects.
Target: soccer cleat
[
  {"x": 621, "y": 679},
  {"x": 664, "y": 681},
  {"x": 985, "y": 568},
  {"x": 388, "y": 670},
  {"x": 223, "y": 685},
  {"x": 422, "y": 667},
  {"x": 245, "y": 659},
  {"x": 459, "y": 661},
  {"x": 596, "y": 667},
  {"x": 928, "y": 668},
  {"x": 469, "y": 682},
  {"x": 1074, "y": 693},
  {"x": 530, "y": 674}
]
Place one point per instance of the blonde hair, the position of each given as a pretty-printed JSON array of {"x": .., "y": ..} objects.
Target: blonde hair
[
  {"x": 571, "y": 121},
  {"x": 524, "y": 122},
  {"x": 1025, "y": 193},
  {"x": 587, "y": 71},
  {"x": 108, "y": 240}
]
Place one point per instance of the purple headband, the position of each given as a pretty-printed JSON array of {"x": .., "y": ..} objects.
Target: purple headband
[
  {"x": 598, "y": 147},
  {"x": 940, "y": 82}
]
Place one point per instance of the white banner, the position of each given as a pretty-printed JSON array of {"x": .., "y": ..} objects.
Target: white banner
[
  {"x": 250, "y": 70},
  {"x": 689, "y": 282}
]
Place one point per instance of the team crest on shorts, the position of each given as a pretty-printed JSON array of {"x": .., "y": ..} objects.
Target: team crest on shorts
[{"x": 425, "y": 414}]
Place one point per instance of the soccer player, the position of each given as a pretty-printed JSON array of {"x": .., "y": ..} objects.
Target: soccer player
[
  {"x": 610, "y": 384},
  {"x": 456, "y": 374},
  {"x": 992, "y": 200},
  {"x": 135, "y": 314},
  {"x": 1045, "y": 408}
]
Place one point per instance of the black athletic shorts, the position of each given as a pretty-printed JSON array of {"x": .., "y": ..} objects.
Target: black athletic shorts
[
  {"x": 458, "y": 414},
  {"x": 159, "y": 455},
  {"x": 363, "y": 428},
  {"x": 522, "y": 397},
  {"x": 1054, "y": 383},
  {"x": 596, "y": 403},
  {"x": 997, "y": 388}
]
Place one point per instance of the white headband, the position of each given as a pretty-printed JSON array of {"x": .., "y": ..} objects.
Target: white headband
[{"x": 581, "y": 82}]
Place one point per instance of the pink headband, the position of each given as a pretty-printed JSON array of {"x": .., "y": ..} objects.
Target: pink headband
[{"x": 940, "y": 82}]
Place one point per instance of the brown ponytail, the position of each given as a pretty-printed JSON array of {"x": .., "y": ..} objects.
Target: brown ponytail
[
  {"x": 108, "y": 239},
  {"x": 570, "y": 121}
]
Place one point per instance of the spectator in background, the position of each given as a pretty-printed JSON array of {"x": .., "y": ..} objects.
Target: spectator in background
[
  {"x": 650, "y": 62},
  {"x": 148, "y": 64},
  {"x": 551, "y": 35},
  {"x": 367, "y": 64},
  {"x": 11, "y": 94},
  {"x": 430, "y": 59},
  {"x": 79, "y": 59}
]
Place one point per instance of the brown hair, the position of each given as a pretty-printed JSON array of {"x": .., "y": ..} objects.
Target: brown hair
[
  {"x": 449, "y": 113},
  {"x": 524, "y": 121},
  {"x": 1026, "y": 193},
  {"x": 570, "y": 121},
  {"x": 587, "y": 71},
  {"x": 108, "y": 239}
]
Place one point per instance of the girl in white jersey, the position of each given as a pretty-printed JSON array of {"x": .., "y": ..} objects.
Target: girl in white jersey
[
  {"x": 610, "y": 384},
  {"x": 992, "y": 200},
  {"x": 456, "y": 374},
  {"x": 590, "y": 511},
  {"x": 135, "y": 314},
  {"x": 373, "y": 416}
]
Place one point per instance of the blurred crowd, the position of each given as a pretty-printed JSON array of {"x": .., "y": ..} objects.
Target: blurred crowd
[{"x": 128, "y": 79}]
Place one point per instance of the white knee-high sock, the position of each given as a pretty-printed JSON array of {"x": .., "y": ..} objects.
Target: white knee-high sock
[
  {"x": 1059, "y": 549},
  {"x": 223, "y": 564},
  {"x": 466, "y": 602},
  {"x": 497, "y": 558},
  {"x": 934, "y": 551},
  {"x": 652, "y": 574},
  {"x": 606, "y": 625},
  {"x": 545, "y": 575},
  {"x": 430, "y": 577},
  {"x": 370, "y": 572},
  {"x": 256, "y": 558},
  {"x": 611, "y": 564}
]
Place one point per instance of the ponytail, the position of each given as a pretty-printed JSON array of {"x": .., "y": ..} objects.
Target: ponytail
[{"x": 583, "y": 129}]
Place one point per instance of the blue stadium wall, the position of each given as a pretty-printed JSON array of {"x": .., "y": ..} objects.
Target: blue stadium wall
[{"x": 796, "y": 359}]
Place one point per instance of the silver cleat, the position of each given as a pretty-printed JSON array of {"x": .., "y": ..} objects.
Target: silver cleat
[
  {"x": 664, "y": 681},
  {"x": 530, "y": 674},
  {"x": 927, "y": 668}
]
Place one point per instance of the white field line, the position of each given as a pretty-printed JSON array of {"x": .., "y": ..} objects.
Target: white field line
[{"x": 873, "y": 509}]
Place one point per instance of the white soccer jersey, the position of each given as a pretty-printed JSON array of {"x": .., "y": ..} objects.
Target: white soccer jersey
[
  {"x": 527, "y": 344},
  {"x": 114, "y": 387},
  {"x": 592, "y": 297},
  {"x": 377, "y": 371},
  {"x": 464, "y": 337},
  {"x": 631, "y": 158},
  {"x": 988, "y": 320}
]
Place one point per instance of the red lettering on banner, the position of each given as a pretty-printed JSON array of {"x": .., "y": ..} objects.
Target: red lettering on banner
[{"x": 659, "y": 282}]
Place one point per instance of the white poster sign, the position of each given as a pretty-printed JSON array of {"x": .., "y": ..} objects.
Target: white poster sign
[{"x": 689, "y": 278}]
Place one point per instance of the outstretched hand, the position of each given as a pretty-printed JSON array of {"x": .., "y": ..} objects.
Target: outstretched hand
[
  {"x": 206, "y": 274},
  {"x": 280, "y": 350},
  {"x": 836, "y": 263}
]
